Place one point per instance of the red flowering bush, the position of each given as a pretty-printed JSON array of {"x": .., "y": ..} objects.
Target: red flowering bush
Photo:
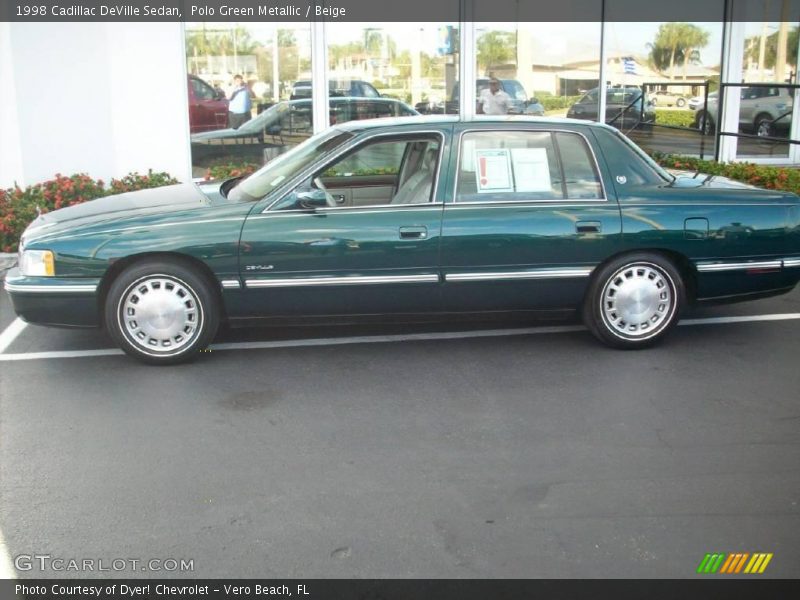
[{"x": 18, "y": 207}]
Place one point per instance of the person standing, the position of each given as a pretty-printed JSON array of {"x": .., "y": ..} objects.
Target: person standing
[
  {"x": 494, "y": 101},
  {"x": 240, "y": 104}
]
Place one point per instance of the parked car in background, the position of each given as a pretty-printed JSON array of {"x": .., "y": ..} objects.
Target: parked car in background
[
  {"x": 285, "y": 124},
  {"x": 764, "y": 111},
  {"x": 665, "y": 98},
  {"x": 520, "y": 104},
  {"x": 626, "y": 107},
  {"x": 348, "y": 87},
  {"x": 696, "y": 102},
  {"x": 415, "y": 216},
  {"x": 208, "y": 108}
]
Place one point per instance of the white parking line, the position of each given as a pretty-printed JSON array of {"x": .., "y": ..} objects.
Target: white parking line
[
  {"x": 382, "y": 339},
  {"x": 11, "y": 332},
  {"x": 741, "y": 319}
]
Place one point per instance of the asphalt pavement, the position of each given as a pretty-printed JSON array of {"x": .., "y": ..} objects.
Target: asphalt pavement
[{"x": 502, "y": 448}]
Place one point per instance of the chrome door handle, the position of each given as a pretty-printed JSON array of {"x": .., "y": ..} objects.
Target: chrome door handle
[
  {"x": 413, "y": 232},
  {"x": 588, "y": 227}
]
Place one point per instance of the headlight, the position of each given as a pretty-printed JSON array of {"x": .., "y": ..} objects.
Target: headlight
[{"x": 37, "y": 263}]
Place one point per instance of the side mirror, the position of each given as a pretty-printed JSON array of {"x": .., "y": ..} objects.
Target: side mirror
[
  {"x": 220, "y": 95},
  {"x": 534, "y": 101},
  {"x": 311, "y": 198}
]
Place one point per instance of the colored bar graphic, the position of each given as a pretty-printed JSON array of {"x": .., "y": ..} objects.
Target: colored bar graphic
[
  {"x": 718, "y": 563},
  {"x": 731, "y": 560},
  {"x": 701, "y": 568},
  {"x": 723, "y": 563},
  {"x": 741, "y": 562},
  {"x": 765, "y": 563}
]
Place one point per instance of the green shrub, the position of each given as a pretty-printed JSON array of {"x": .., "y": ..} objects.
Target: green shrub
[
  {"x": 557, "y": 102},
  {"x": 18, "y": 207},
  {"x": 675, "y": 118},
  {"x": 226, "y": 170},
  {"x": 133, "y": 181}
]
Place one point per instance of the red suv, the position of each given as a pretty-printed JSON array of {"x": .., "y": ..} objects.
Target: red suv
[{"x": 208, "y": 108}]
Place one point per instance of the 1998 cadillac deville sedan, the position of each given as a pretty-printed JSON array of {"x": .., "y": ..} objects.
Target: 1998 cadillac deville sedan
[{"x": 412, "y": 215}]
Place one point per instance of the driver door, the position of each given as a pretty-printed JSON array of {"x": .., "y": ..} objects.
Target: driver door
[{"x": 361, "y": 252}]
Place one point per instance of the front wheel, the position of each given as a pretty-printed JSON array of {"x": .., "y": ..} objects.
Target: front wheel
[
  {"x": 161, "y": 312},
  {"x": 680, "y": 102},
  {"x": 634, "y": 301}
]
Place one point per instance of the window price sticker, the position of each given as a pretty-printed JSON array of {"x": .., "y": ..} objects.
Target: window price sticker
[{"x": 493, "y": 172}]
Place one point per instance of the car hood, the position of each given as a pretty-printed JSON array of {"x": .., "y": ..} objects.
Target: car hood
[
  {"x": 216, "y": 134},
  {"x": 160, "y": 200}
]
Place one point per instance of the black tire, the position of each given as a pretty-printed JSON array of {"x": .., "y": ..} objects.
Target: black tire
[
  {"x": 763, "y": 126},
  {"x": 653, "y": 292},
  {"x": 680, "y": 102},
  {"x": 709, "y": 124},
  {"x": 187, "y": 312}
]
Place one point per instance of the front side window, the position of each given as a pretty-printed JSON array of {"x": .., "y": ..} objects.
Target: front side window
[
  {"x": 384, "y": 172},
  {"x": 275, "y": 173},
  {"x": 202, "y": 91},
  {"x": 375, "y": 159},
  {"x": 526, "y": 165}
]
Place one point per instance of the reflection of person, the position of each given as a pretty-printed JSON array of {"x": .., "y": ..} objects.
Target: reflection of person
[
  {"x": 494, "y": 101},
  {"x": 240, "y": 104}
]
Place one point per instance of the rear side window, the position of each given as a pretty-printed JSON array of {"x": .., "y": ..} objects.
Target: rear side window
[
  {"x": 505, "y": 166},
  {"x": 628, "y": 165},
  {"x": 580, "y": 175}
]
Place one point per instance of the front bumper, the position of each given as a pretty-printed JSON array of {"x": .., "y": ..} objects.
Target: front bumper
[{"x": 55, "y": 301}]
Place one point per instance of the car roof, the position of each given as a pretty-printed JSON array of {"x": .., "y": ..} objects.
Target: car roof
[
  {"x": 452, "y": 119},
  {"x": 346, "y": 99}
]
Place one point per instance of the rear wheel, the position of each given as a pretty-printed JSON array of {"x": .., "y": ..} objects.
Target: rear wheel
[
  {"x": 680, "y": 102},
  {"x": 634, "y": 301},
  {"x": 162, "y": 312}
]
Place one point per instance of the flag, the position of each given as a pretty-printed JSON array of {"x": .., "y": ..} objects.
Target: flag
[{"x": 629, "y": 65}]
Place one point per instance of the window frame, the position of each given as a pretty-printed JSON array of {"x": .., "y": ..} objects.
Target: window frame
[
  {"x": 553, "y": 201},
  {"x": 353, "y": 146}
]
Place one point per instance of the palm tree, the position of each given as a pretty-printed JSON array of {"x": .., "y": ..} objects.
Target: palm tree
[
  {"x": 693, "y": 39},
  {"x": 494, "y": 48},
  {"x": 669, "y": 38}
]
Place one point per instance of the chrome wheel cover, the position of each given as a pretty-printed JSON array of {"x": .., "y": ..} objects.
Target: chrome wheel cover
[
  {"x": 638, "y": 301},
  {"x": 160, "y": 314},
  {"x": 764, "y": 129}
]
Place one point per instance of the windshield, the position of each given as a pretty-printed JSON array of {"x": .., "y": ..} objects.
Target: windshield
[
  {"x": 271, "y": 116},
  {"x": 286, "y": 166}
]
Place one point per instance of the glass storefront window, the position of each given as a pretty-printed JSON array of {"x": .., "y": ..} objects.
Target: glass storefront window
[
  {"x": 227, "y": 127},
  {"x": 769, "y": 56},
  {"x": 413, "y": 64},
  {"x": 663, "y": 80},
  {"x": 545, "y": 68}
]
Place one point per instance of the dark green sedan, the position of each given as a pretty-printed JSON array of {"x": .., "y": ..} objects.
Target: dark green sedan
[{"x": 412, "y": 215}]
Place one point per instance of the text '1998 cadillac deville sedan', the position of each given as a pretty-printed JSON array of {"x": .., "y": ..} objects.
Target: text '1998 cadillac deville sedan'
[{"x": 412, "y": 215}]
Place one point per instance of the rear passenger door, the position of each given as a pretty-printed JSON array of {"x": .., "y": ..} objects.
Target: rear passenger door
[{"x": 528, "y": 221}]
